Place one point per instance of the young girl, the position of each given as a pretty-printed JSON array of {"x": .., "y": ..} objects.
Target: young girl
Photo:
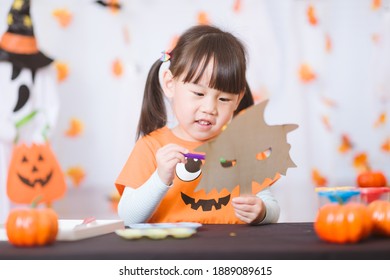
[{"x": 206, "y": 86}]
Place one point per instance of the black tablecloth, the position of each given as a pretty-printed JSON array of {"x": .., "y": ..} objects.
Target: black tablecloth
[{"x": 283, "y": 241}]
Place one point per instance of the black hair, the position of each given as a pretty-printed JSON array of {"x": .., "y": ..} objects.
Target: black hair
[{"x": 195, "y": 49}]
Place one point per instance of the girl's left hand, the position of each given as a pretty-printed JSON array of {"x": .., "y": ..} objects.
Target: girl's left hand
[{"x": 249, "y": 209}]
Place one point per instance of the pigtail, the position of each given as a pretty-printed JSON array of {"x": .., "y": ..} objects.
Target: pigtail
[
  {"x": 153, "y": 111},
  {"x": 246, "y": 101}
]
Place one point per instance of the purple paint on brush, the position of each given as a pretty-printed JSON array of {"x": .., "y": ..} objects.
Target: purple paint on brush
[{"x": 195, "y": 156}]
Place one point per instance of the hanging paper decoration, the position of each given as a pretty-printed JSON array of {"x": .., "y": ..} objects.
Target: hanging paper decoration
[
  {"x": 326, "y": 122},
  {"x": 360, "y": 162},
  {"x": 346, "y": 144},
  {"x": 386, "y": 145},
  {"x": 113, "y": 5},
  {"x": 381, "y": 120},
  {"x": 237, "y": 5},
  {"x": 117, "y": 68},
  {"x": 311, "y": 15},
  {"x": 63, "y": 16},
  {"x": 76, "y": 175},
  {"x": 328, "y": 43},
  {"x": 318, "y": 179},
  {"x": 76, "y": 127},
  {"x": 376, "y": 4},
  {"x": 62, "y": 71},
  {"x": 203, "y": 18},
  {"x": 306, "y": 73}
]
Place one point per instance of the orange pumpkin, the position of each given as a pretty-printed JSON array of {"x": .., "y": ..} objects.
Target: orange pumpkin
[
  {"x": 32, "y": 227},
  {"x": 380, "y": 215},
  {"x": 34, "y": 171},
  {"x": 371, "y": 178},
  {"x": 348, "y": 223}
]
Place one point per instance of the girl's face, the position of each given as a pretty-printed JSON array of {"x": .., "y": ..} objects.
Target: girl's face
[{"x": 201, "y": 112}]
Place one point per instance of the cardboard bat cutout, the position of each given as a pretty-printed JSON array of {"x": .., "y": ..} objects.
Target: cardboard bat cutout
[{"x": 247, "y": 150}]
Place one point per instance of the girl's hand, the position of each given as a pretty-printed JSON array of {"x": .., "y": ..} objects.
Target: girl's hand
[
  {"x": 249, "y": 209},
  {"x": 167, "y": 158}
]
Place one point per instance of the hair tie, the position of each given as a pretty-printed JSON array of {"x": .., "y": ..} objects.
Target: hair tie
[{"x": 165, "y": 56}]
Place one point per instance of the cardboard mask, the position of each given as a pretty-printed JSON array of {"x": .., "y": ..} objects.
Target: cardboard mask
[{"x": 247, "y": 150}]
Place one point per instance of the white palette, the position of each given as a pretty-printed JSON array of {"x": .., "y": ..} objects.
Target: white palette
[{"x": 71, "y": 230}]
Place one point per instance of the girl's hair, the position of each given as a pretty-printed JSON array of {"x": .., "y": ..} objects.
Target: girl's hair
[{"x": 194, "y": 50}]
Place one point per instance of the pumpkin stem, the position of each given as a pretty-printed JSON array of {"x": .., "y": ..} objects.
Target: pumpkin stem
[{"x": 35, "y": 201}]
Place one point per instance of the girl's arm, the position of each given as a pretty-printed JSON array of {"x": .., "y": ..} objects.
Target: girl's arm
[
  {"x": 271, "y": 205},
  {"x": 137, "y": 205}
]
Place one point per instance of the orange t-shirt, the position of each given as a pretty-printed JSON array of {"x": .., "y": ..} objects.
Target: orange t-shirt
[{"x": 181, "y": 203}]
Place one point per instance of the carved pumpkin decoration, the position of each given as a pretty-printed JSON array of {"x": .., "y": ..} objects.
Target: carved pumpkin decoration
[
  {"x": 32, "y": 227},
  {"x": 34, "y": 171},
  {"x": 348, "y": 223},
  {"x": 380, "y": 215}
]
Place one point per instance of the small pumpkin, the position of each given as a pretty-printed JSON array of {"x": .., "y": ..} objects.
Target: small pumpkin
[
  {"x": 29, "y": 227},
  {"x": 348, "y": 223},
  {"x": 369, "y": 178},
  {"x": 380, "y": 215}
]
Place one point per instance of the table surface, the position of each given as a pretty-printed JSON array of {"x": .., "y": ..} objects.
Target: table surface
[{"x": 282, "y": 241}]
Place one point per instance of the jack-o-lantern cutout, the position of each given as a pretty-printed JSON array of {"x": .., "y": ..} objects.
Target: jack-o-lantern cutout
[
  {"x": 246, "y": 157},
  {"x": 34, "y": 171}
]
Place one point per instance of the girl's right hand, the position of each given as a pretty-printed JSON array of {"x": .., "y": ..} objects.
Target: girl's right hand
[{"x": 167, "y": 158}]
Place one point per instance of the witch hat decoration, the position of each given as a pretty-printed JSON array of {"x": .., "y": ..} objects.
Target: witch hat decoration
[{"x": 18, "y": 44}]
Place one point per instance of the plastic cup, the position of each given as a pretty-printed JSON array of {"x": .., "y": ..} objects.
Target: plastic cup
[
  {"x": 340, "y": 195},
  {"x": 368, "y": 195}
]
